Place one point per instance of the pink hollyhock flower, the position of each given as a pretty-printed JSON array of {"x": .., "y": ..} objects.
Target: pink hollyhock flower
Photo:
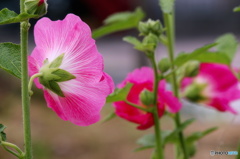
[
  {"x": 215, "y": 86},
  {"x": 143, "y": 79},
  {"x": 71, "y": 69}
]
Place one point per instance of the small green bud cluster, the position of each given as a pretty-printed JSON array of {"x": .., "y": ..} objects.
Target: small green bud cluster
[
  {"x": 52, "y": 74},
  {"x": 164, "y": 65},
  {"x": 194, "y": 92},
  {"x": 147, "y": 97},
  {"x": 150, "y": 26},
  {"x": 191, "y": 68},
  {"x": 36, "y": 7}
]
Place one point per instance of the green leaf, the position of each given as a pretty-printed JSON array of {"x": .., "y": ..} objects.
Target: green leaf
[
  {"x": 2, "y": 133},
  {"x": 119, "y": 22},
  {"x": 236, "y": 9},
  {"x": 10, "y": 58},
  {"x": 198, "y": 135},
  {"x": 135, "y": 42},
  {"x": 147, "y": 140},
  {"x": 109, "y": 117},
  {"x": 117, "y": 17},
  {"x": 184, "y": 57},
  {"x": 63, "y": 75},
  {"x": 227, "y": 44},
  {"x": 7, "y": 16},
  {"x": 167, "y": 5},
  {"x": 172, "y": 136},
  {"x": 192, "y": 139},
  {"x": 132, "y": 40},
  {"x": 119, "y": 94},
  {"x": 213, "y": 57},
  {"x": 143, "y": 148}
]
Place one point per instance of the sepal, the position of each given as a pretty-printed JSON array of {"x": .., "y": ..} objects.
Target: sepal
[
  {"x": 51, "y": 75},
  {"x": 36, "y": 7}
]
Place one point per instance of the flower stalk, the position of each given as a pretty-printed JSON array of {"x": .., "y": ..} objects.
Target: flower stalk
[
  {"x": 170, "y": 32},
  {"x": 19, "y": 154},
  {"x": 24, "y": 27},
  {"x": 159, "y": 147}
]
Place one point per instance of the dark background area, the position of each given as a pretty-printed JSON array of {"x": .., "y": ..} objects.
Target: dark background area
[{"x": 193, "y": 17}]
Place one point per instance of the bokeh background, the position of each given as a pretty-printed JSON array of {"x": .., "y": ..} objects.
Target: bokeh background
[{"x": 198, "y": 22}]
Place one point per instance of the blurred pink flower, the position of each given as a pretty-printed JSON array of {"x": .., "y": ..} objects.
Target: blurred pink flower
[
  {"x": 85, "y": 94},
  {"x": 215, "y": 86},
  {"x": 142, "y": 79}
]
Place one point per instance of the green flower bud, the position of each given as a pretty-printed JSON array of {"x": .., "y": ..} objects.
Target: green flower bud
[
  {"x": 151, "y": 26},
  {"x": 147, "y": 97},
  {"x": 164, "y": 65},
  {"x": 194, "y": 93},
  {"x": 191, "y": 68},
  {"x": 36, "y": 7},
  {"x": 143, "y": 28},
  {"x": 156, "y": 27},
  {"x": 150, "y": 42}
]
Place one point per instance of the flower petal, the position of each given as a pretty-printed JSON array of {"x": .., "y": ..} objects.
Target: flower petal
[
  {"x": 221, "y": 104},
  {"x": 219, "y": 75},
  {"x": 164, "y": 96},
  {"x": 142, "y": 75},
  {"x": 82, "y": 104},
  {"x": 72, "y": 37}
]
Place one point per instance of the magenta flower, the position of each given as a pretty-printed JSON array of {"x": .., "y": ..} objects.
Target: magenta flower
[
  {"x": 70, "y": 68},
  {"x": 142, "y": 79},
  {"x": 215, "y": 86}
]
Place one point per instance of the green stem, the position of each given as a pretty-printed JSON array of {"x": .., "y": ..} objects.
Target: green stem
[
  {"x": 138, "y": 107},
  {"x": 169, "y": 24},
  {"x": 25, "y": 94},
  {"x": 31, "y": 82},
  {"x": 159, "y": 146},
  {"x": 15, "y": 147}
]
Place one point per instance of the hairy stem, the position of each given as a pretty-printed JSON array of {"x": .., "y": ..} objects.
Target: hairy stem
[
  {"x": 24, "y": 27},
  {"x": 159, "y": 146},
  {"x": 170, "y": 31}
]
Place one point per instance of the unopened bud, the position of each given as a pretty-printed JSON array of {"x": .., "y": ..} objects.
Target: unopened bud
[
  {"x": 147, "y": 97},
  {"x": 143, "y": 28},
  {"x": 194, "y": 93},
  {"x": 151, "y": 26},
  {"x": 191, "y": 68},
  {"x": 150, "y": 42},
  {"x": 164, "y": 65},
  {"x": 36, "y": 7}
]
